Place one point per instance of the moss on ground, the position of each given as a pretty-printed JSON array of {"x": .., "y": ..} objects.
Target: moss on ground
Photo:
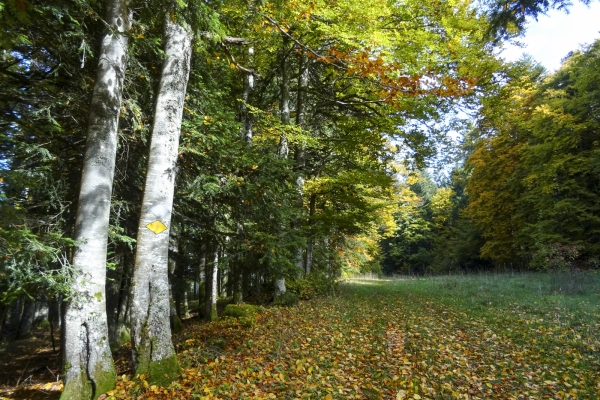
[{"x": 164, "y": 372}]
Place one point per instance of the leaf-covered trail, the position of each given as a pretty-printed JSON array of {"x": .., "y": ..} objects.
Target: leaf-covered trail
[{"x": 383, "y": 341}]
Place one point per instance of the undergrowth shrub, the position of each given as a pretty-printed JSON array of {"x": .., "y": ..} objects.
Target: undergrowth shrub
[
  {"x": 313, "y": 285},
  {"x": 556, "y": 256},
  {"x": 287, "y": 299},
  {"x": 245, "y": 313}
]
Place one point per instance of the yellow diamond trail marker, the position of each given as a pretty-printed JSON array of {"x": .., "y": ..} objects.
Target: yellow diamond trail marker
[{"x": 156, "y": 227}]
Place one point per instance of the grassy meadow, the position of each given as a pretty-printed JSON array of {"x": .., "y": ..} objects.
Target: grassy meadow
[{"x": 521, "y": 336}]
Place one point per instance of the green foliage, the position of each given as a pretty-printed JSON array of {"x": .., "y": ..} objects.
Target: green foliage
[
  {"x": 34, "y": 265},
  {"x": 313, "y": 285},
  {"x": 239, "y": 310},
  {"x": 44, "y": 324},
  {"x": 287, "y": 299},
  {"x": 245, "y": 313},
  {"x": 433, "y": 233},
  {"x": 556, "y": 256},
  {"x": 45, "y": 87},
  {"x": 534, "y": 184},
  {"x": 509, "y": 17}
]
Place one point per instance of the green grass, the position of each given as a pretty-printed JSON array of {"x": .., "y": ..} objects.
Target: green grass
[
  {"x": 479, "y": 336},
  {"x": 545, "y": 327}
]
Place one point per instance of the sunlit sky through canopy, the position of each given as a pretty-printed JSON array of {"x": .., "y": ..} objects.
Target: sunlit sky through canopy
[{"x": 553, "y": 36}]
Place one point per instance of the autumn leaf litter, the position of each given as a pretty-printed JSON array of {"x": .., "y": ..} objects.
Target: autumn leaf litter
[{"x": 385, "y": 342}]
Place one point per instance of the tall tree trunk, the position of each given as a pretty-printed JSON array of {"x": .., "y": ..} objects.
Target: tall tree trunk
[
  {"x": 201, "y": 278},
  {"x": 300, "y": 152},
  {"x": 114, "y": 295},
  {"x": 311, "y": 240},
  {"x": 284, "y": 104},
  {"x": 88, "y": 363},
  {"x": 54, "y": 318},
  {"x": 212, "y": 269},
  {"x": 246, "y": 117},
  {"x": 13, "y": 318},
  {"x": 174, "y": 304},
  {"x": 121, "y": 329},
  {"x": 213, "y": 286},
  {"x": 283, "y": 148},
  {"x": 185, "y": 308},
  {"x": 237, "y": 270},
  {"x": 153, "y": 352},
  {"x": 27, "y": 318}
]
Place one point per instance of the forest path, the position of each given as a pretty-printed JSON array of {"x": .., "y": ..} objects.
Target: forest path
[
  {"x": 437, "y": 338},
  {"x": 413, "y": 339}
]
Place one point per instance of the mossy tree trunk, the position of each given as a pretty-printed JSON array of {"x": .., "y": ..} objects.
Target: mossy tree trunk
[
  {"x": 88, "y": 363},
  {"x": 153, "y": 352}
]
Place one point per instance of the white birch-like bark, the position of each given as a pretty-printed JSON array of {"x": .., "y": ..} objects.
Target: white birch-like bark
[
  {"x": 284, "y": 104},
  {"x": 280, "y": 287},
  {"x": 246, "y": 116},
  {"x": 213, "y": 286},
  {"x": 201, "y": 276},
  {"x": 283, "y": 148},
  {"x": 88, "y": 363},
  {"x": 153, "y": 352},
  {"x": 302, "y": 88}
]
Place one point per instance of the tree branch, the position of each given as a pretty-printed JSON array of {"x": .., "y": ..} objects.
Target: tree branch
[
  {"x": 299, "y": 43},
  {"x": 240, "y": 67}
]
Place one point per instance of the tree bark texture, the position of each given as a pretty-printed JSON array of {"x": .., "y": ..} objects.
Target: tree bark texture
[
  {"x": 153, "y": 352},
  {"x": 283, "y": 148},
  {"x": 310, "y": 241},
  {"x": 117, "y": 293},
  {"x": 246, "y": 117},
  {"x": 27, "y": 318},
  {"x": 201, "y": 281},
  {"x": 300, "y": 153},
  {"x": 213, "y": 286},
  {"x": 284, "y": 104},
  {"x": 88, "y": 363}
]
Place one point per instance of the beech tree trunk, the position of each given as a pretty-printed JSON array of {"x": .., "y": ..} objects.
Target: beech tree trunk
[
  {"x": 213, "y": 286},
  {"x": 153, "y": 352},
  {"x": 283, "y": 148},
  {"x": 311, "y": 240},
  {"x": 201, "y": 279},
  {"x": 300, "y": 153},
  {"x": 246, "y": 117},
  {"x": 88, "y": 364},
  {"x": 284, "y": 104},
  {"x": 211, "y": 282}
]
